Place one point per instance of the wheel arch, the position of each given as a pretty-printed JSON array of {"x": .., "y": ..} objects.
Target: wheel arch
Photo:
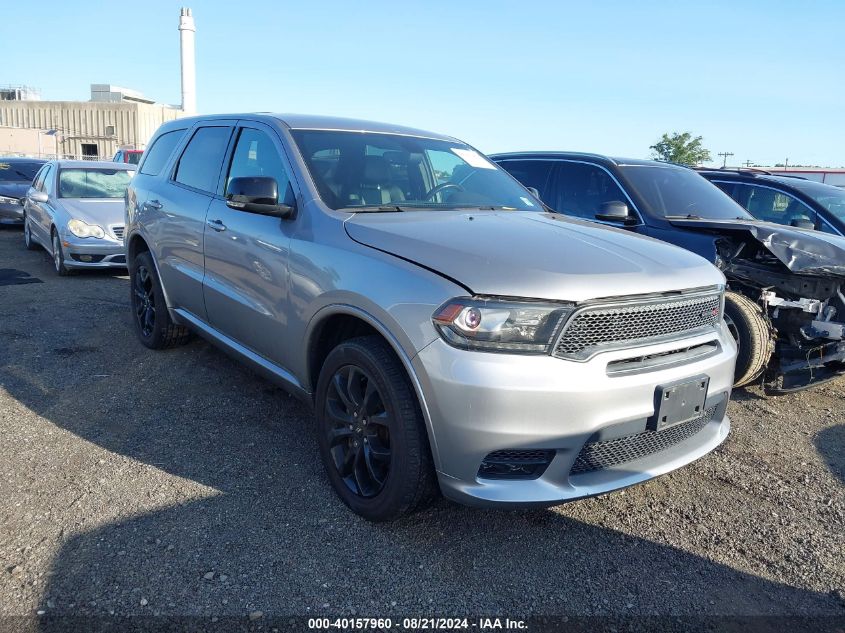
[
  {"x": 136, "y": 244},
  {"x": 334, "y": 324}
]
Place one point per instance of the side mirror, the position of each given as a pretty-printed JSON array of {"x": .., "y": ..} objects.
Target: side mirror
[
  {"x": 614, "y": 211},
  {"x": 802, "y": 223},
  {"x": 258, "y": 194},
  {"x": 37, "y": 196}
]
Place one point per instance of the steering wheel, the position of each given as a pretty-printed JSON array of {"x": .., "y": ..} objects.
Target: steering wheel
[{"x": 442, "y": 187}]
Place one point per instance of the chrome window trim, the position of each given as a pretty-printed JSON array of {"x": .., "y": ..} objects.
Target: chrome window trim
[{"x": 640, "y": 221}]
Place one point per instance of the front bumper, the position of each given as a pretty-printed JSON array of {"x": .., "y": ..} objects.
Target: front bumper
[
  {"x": 11, "y": 213},
  {"x": 91, "y": 252},
  {"x": 478, "y": 403}
]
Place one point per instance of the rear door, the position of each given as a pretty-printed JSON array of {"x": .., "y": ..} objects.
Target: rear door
[
  {"x": 246, "y": 254},
  {"x": 174, "y": 211}
]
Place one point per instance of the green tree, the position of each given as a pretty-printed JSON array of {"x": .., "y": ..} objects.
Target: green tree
[{"x": 680, "y": 148}]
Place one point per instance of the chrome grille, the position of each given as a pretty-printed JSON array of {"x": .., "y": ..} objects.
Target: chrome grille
[
  {"x": 117, "y": 231},
  {"x": 599, "y": 455},
  {"x": 594, "y": 329}
]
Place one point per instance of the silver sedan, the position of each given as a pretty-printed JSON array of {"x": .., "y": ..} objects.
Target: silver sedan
[{"x": 75, "y": 210}]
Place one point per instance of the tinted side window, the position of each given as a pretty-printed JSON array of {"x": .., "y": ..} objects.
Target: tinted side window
[
  {"x": 581, "y": 189},
  {"x": 771, "y": 205},
  {"x": 38, "y": 182},
  {"x": 200, "y": 163},
  {"x": 532, "y": 173},
  {"x": 49, "y": 186},
  {"x": 158, "y": 154},
  {"x": 44, "y": 178},
  {"x": 727, "y": 187},
  {"x": 255, "y": 155}
]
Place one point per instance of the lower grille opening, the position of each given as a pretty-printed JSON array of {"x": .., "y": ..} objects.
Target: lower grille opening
[
  {"x": 118, "y": 259},
  {"x": 88, "y": 259},
  {"x": 598, "y": 455},
  {"x": 515, "y": 464}
]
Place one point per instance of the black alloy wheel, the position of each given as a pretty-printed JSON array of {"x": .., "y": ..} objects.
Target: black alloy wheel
[
  {"x": 144, "y": 300},
  {"x": 360, "y": 430},
  {"x": 371, "y": 431}
]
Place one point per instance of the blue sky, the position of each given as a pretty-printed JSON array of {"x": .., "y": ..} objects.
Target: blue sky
[{"x": 763, "y": 80}]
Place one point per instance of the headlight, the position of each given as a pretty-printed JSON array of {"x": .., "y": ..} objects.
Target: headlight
[
  {"x": 82, "y": 229},
  {"x": 501, "y": 325},
  {"x": 8, "y": 200}
]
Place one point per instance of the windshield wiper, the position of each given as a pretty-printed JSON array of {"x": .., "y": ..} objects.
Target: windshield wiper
[
  {"x": 689, "y": 216},
  {"x": 387, "y": 208}
]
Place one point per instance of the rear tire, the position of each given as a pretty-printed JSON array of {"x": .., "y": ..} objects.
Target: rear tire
[
  {"x": 153, "y": 324},
  {"x": 753, "y": 337},
  {"x": 371, "y": 431}
]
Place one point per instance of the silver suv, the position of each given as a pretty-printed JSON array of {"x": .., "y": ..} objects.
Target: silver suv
[{"x": 448, "y": 332}]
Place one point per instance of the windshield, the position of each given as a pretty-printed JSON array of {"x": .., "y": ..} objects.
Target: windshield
[
  {"x": 680, "y": 192},
  {"x": 830, "y": 197},
  {"x": 93, "y": 183},
  {"x": 391, "y": 172},
  {"x": 18, "y": 171}
]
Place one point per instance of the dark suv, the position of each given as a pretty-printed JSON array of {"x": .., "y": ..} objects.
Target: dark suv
[
  {"x": 785, "y": 307},
  {"x": 789, "y": 200}
]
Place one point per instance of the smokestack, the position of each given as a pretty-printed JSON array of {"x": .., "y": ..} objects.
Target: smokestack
[{"x": 187, "y": 34}]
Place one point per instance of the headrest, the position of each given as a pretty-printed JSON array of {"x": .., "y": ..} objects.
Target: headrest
[{"x": 376, "y": 170}]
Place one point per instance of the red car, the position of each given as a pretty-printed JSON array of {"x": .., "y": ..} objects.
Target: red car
[{"x": 132, "y": 156}]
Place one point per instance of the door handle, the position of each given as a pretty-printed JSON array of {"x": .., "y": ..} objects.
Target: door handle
[
  {"x": 217, "y": 225},
  {"x": 152, "y": 205}
]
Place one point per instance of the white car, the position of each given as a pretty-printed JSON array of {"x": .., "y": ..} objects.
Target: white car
[{"x": 75, "y": 210}]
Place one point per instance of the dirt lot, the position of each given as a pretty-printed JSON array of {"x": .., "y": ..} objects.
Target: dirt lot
[{"x": 179, "y": 483}]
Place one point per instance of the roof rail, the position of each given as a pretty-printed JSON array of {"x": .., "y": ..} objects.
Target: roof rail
[{"x": 741, "y": 170}]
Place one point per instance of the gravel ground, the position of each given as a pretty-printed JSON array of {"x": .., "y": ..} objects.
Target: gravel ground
[{"x": 179, "y": 483}]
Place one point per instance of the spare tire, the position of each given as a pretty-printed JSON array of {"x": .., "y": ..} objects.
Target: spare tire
[{"x": 753, "y": 336}]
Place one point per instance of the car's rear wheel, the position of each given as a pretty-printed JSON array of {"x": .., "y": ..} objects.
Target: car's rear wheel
[
  {"x": 59, "y": 255},
  {"x": 153, "y": 324},
  {"x": 371, "y": 431},
  {"x": 27, "y": 235},
  {"x": 748, "y": 326}
]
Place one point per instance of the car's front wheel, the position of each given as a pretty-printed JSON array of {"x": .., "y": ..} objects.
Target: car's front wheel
[
  {"x": 59, "y": 256},
  {"x": 28, "y": 242},
  {"x": 748, "y": 326},
  {"x": 153, "y": 324},
  {"x": 371, "y": 431}
]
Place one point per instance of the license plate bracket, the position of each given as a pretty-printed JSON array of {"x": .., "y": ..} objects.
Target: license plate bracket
[{"x": 679, "y": 402}]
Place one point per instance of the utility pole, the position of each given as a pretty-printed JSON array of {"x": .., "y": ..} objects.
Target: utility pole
[
  {"x": 748, "y": 163},
  {"x": 725, "y": 155},
  {"x": 786, "y": 163}
]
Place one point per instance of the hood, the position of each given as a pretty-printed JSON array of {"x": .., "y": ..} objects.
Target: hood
[
  {"x": 535, "y": 255},
  {"x": 802, "y": 251},
  {"x": 94, "y": 211},
  {"x": 14, "y": 189}
]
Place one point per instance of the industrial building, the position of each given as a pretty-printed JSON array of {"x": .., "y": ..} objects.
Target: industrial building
[{"x": 114, "y": 117}]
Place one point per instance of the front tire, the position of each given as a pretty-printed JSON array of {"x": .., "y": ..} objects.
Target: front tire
[
  {"x": 28, "y": 242},
  {"x": 59, "y": 256},
  {"x": 153, "y": 324},
  {"x": 371, "y": 431},
  {"x": 748, "y": 326}
]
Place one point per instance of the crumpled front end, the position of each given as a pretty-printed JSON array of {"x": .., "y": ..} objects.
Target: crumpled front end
[{"x": 798, "y": 283}]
